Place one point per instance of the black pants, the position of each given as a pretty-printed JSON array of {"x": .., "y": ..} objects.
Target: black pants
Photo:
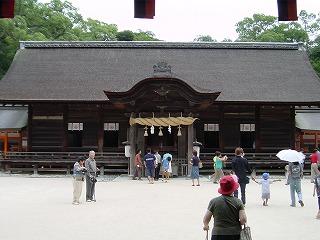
[
  {"x": 225, "y": 237},
  {"x": 157, "y": 170},
  {"x": 243, "y": 192}
]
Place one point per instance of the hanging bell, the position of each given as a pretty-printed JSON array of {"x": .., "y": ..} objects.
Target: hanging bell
[
  {"x": 160, "y": 131},
  {"x": 145, "y": 132}
]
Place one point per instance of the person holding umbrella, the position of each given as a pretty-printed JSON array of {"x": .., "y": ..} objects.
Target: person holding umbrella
[
  {"x": 295, "y": 173},
  {"x": 314, "y": 165}
]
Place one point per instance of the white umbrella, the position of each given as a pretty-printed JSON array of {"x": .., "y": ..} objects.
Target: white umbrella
[{"x": 290, "y": 156}]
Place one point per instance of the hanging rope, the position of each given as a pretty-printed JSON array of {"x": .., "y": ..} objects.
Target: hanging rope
[{"x": 163, "y": 121}]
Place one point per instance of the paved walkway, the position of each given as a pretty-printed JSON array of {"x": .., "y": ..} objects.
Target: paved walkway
[{"x": 40, "y": 208}]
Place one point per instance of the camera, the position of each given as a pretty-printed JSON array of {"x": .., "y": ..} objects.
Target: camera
[
  {"x": 93, "y": 180},
  {"x": 84, "y": 171}
]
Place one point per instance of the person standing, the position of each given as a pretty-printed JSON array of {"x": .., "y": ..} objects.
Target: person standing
[
  {"x": 314, "y": 165},
  {"x": 195, "y": 167},
  {"x": 218, "y": 164},
  {"x": 138, "y": 165},
  {"x": 227, "y": 211},
  {"x": 78, "y": 178},
  {"x": 158, "y": 165},
  {"x": 316, "y": 189},
  {"x": 295, "y": 173},
  {"x": 91, "y": 175},
  {"x": 149, "y": 162},
  {"x": 240, "y": 167}
]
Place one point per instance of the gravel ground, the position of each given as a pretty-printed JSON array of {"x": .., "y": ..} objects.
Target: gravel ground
[{"x": 39, "y": 207}]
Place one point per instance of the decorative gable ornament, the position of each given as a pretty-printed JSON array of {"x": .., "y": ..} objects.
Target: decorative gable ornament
[{"x": 162, "y": 69}]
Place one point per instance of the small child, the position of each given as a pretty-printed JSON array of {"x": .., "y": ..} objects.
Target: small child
[
  {"x": 235, "y": 178},
  {"x": 265, "y": 187},
  {"x": 317, "y": 189},
  {"x": 165, "y": 168}
]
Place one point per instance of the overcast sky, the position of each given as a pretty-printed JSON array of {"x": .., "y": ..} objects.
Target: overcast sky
[{"x": 183, "y": 20}]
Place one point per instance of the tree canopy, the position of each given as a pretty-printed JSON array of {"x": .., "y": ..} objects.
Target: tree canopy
[{"x": 55, "y": 21}]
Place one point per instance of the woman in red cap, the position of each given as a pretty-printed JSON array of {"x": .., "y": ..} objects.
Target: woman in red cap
[{"x": 228, "y": 212}]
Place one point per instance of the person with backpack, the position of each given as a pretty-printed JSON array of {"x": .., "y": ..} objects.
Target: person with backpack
[
  {"x": 317, "y": 189},
  {"x": 295, "y": 174}
]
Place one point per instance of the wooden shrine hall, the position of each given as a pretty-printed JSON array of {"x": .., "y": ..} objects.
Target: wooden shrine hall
[{"x": 112, "y": 96}]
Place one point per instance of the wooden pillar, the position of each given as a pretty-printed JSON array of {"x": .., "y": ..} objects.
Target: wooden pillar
[
  {"x": 65, "y": 128},
  {"x": 257, "y": 129},
  {"x": 100, "y": 129},
  {"x": 30, "y": 126},
  {"x": 292, "y": 127},
  {"x": 221, "y": 128},
  {"x": 133, "y": 141},
  {"x": 190, "y": 146}
]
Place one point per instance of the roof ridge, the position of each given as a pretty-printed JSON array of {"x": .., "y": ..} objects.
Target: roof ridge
[{"x": 159, "y": 44}]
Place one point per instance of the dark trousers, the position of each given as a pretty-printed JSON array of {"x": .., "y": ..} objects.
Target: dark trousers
[
  {"x": 225, "y": 237},
  {"x": 137, "y": 172},
  {"x": 157, "y": 170},
  {"x": 90, "y": 187},
  {"x": 243, "y": 192}
]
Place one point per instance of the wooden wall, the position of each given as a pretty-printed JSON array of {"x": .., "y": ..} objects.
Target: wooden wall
[{"x": 49, "y": 132}]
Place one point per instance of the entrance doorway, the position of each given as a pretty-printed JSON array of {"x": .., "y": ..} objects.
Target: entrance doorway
[{"x": 168, "y": 142}]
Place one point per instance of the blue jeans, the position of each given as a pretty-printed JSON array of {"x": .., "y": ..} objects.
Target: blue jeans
[{"x": 295, "y": 186}]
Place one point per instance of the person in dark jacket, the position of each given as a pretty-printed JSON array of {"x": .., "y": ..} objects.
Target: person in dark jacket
[{"x": 240, "y": 167}]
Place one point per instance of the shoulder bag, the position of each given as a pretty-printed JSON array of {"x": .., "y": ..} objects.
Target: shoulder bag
[{"x": 200, "y": 164}]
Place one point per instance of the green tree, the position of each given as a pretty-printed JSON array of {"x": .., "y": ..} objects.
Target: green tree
[
  {"x": 250, "y": 29},
  {"x": 54, "y": 21},
  {"x": 125, "y": 35},
  {"x": 315, "y": 55},
  {"x": 262, "y": 28},
  {"x": 94, "y": 30},
  {"x": 204, "y": 38},
  {"x": 144, "y": 36}
]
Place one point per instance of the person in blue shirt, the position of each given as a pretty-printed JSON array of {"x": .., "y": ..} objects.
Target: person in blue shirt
[
  {"x": 165, "y": 167},
  {"x": 150, "y": 164},
  {"x": 168, "y": 156}
]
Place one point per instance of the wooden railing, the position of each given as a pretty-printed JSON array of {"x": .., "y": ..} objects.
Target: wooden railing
[
  {"x": 112, "y": 162},
  {"x": 259, "y": 162},
  {"x": 60, "y": 161}
]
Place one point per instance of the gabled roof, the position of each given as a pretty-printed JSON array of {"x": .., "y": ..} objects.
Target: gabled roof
[{"x": 82, "y": 71}]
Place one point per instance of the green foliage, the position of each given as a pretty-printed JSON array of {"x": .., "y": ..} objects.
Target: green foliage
[
  {"x": 315, "y": 56},
  {"x": 144, "y": 36},
  {"x": 204, "y": 38},
  {"x": 125, "y": 35},
  {"x": 250, "y": 29},
  {"x": 54, "y": 21},
  {"x": 262, "y": 28}
]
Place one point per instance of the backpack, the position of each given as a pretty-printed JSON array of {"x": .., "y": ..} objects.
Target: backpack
[
  {"x": 317, "y": 183},
  {"x": 295, "y": 169}
]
